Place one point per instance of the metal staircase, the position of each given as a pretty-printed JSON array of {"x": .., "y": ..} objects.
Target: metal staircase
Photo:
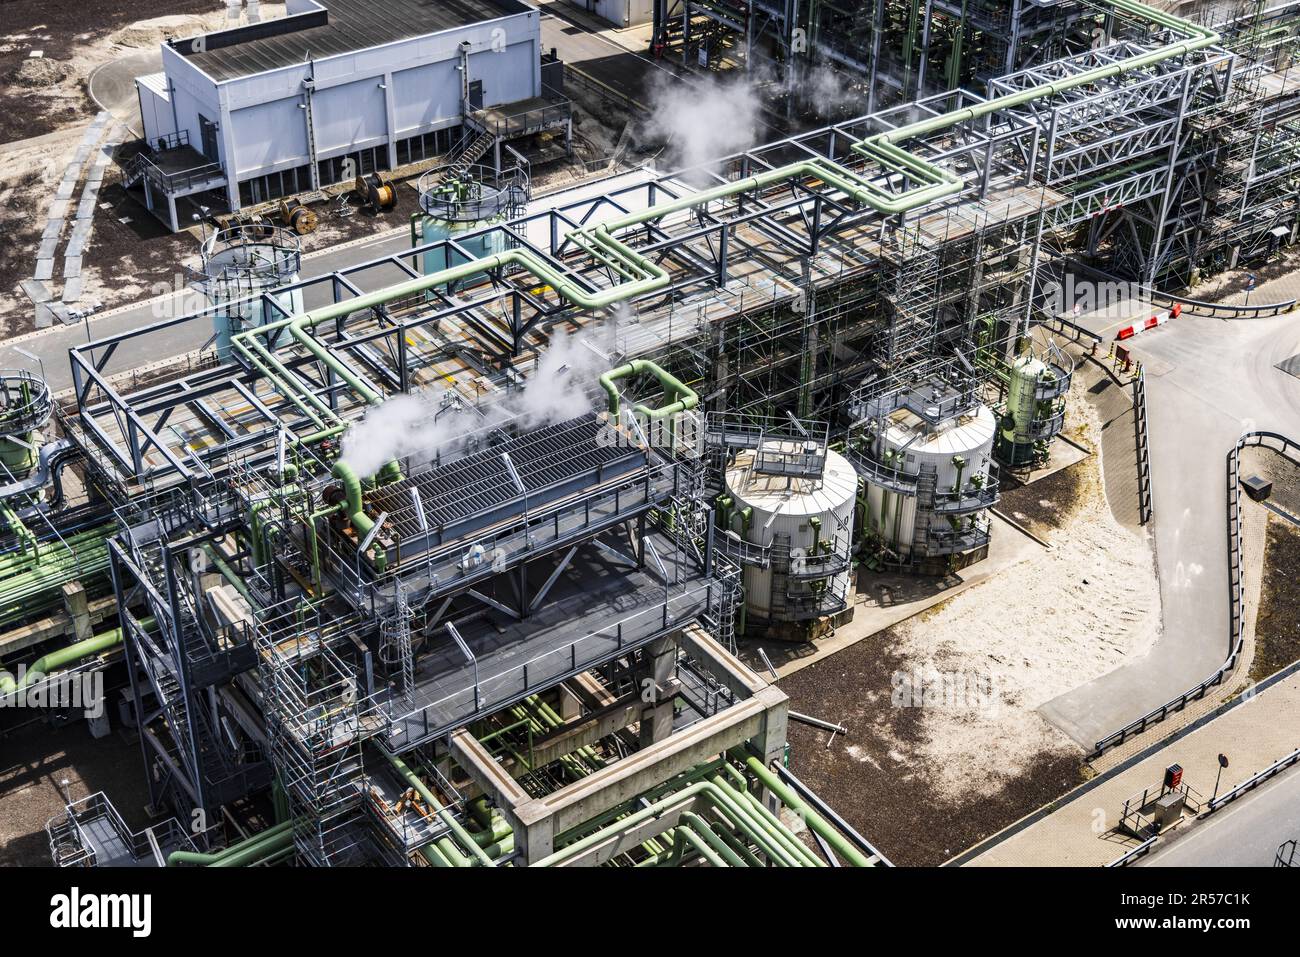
[{"x": 926, "y": 483}]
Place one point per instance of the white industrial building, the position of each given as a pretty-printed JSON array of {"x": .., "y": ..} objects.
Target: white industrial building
[
  {"x": 621, "y": 13},
  {"x": 275, "y": 108}
]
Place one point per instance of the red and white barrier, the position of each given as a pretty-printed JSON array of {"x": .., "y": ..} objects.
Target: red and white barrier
[{"x": 1159, "y": 319}]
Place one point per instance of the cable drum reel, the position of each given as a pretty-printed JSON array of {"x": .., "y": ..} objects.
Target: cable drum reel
[{"x": 375, "y": 193}]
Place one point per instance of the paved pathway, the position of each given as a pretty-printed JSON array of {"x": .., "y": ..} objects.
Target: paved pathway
[
  {"x": 1081, "y": 832},
  {"x": 1246, "y": 833},
  {"x": 1208, "y": 380}
]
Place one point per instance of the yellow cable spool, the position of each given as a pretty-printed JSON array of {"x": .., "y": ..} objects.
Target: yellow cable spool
[{"x": 297, "y": 217}]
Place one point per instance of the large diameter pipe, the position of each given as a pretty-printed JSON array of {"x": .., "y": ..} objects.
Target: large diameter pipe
[
  {"x": 210, "y": 858},
  {"x": 463, "y": 837},
  {"x": 815, "y": 821},
  {"x": 642, "y": 275},
  {"x": 681, "y": 396},
  {"x": 62, "y": 657}
]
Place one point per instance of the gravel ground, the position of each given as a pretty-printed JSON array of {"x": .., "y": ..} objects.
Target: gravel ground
[
  {"x": 1046, "y": 505},
  {"x": 52, "y": 94},
  {"x": 874, "y": 776},
  {"x": 38, "y": 758},
  {"x": 1277, "y": 622},
  {"x": 1281, "y": 471}
]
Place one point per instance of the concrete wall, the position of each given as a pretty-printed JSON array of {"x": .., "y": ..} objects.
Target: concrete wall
[
  {"x": 621, "y": 13},
  {"x": 155, "y": 113}
]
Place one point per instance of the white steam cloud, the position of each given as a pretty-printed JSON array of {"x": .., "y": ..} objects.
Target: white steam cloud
[
  {"x": 703, "y": 120},
  {"x": 824, "y": 92},
  {"x": 422, "y": 424}
]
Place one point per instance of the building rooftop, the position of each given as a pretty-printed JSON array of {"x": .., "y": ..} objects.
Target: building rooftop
[{"x": 331, "y": 28}]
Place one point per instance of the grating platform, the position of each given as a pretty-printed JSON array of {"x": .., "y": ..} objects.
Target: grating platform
[
  {"x": 601, "y": 607},
  {"x": 478, "y": 490}
]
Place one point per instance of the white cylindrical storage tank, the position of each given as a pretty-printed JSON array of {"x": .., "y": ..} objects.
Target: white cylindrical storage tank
[
  {"x": 791, "y": 510},
  {"x": 248, "y": 261},
  {"x": 957, "y": 449}
]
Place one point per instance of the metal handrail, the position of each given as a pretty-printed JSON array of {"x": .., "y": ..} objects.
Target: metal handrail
[
  {"x": 1124, "y": 860},
  {"x": 1256, "y": 779},
  {"x": 1143, "y": 439},
  {"x": 517, "y": 124},
  {"x": 1235, "y": 638}
]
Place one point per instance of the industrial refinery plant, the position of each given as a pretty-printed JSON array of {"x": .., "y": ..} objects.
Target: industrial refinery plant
[{"x": 472, "y": 502}]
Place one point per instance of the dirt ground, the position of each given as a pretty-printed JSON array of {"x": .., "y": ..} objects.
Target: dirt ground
[
  {"x": 37, "y": 759},
  {"x": 71, "y": 37},
  {"x": 47, "y": 108},
  {"x": 945, "y": 742},
  {"x": 1047, "y": 503},
  {"x": 875, "y": 775},
  {"x": 1277, "y": 622},
  {"x": 131, "y": 255}
]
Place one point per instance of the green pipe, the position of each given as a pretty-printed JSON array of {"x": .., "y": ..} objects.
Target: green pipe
[
  {"x": 686, "y": 835},
  {"x": 765, "y": 822},
  {"x": 463, "y": 837},
  {"x": 227, "y": 572},
  {"x": 257, "y": 852},
  {"x": 20, "y": 530},
  {"x": 815, "y": 524},
  {"x": 681, "y": 397},
  {"x": 361, "y": 522},
  {"x": 205, "y": 859},
  {"x": 314, "y": 538},
  {"x": 698, "y": 825},
  {"x": 721, "y": 796},
  {"x": 654, "y": 810},
  {"x": 61, "y": 658},
  {"x": 730, "y": 839},
  {"x": 645, "y": 276},
  {"x": 815, "y": 821},
  {"x": 723, "y": 502}
]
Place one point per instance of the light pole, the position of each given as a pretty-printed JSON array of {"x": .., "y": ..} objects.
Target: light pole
[{"x": 1223, "y": 763}]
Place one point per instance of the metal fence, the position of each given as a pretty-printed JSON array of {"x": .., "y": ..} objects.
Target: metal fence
[
  {"x": 1252, "y": 782},
  {"x": 1124, "y": 860},
  {"x": 1143, "y": 448},
  {"x": 1283, "y": 445}
]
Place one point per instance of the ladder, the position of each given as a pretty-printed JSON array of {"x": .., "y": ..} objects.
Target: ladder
[{"x": 926, "y": 482}]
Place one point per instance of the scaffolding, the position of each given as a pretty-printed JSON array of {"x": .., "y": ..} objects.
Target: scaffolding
[{"x": 459, "y": 586}]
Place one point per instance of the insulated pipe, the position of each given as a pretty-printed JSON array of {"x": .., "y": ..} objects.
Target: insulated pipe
[
  {"x": 361, "y": 522},
  {"x": 228, "y": 573},
  {"x": 55, "y": 660},
  {"x": 463, "y": 837},
  {"x": 815, "y": 821},
  {"x": 682, "y": 397},
  {"x": 720, "y": 797},
  {"x": 207, "y": 859},
  {"x": 643, "y": 275},
  {"x": 258, "y": 851}
]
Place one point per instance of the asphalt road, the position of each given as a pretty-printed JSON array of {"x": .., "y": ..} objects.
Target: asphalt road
[
  {"x": 1208, "y": 381},
  {"x": 1246, "y": 833},
  {"x": 112, "y": 86},
  {"x": 51, "y": 346}
]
